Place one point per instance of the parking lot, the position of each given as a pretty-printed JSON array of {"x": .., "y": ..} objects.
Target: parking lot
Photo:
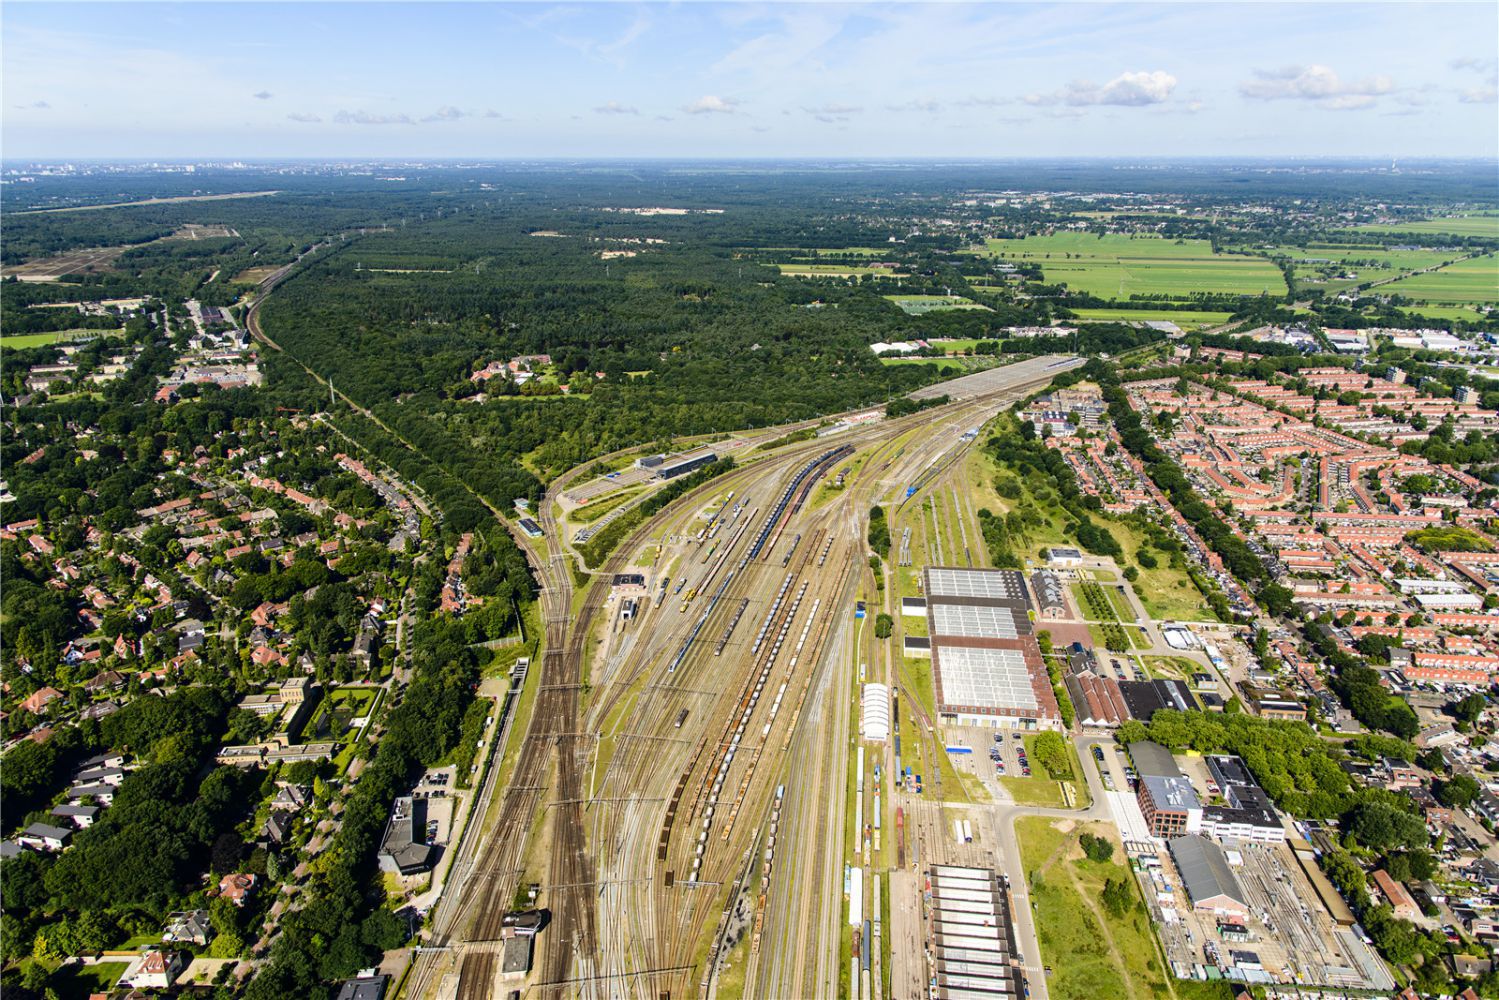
[
  {"x": 1004, "y": 746},
  {"x": 436, "y": 786}
]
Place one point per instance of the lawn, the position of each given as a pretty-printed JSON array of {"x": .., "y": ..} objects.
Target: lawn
[
  {"x": 23, "y": 340},
  {"x": 917, "y": 305},
  {"x": 1472, "y": 280},
  {"x": 80, "y": 981},
  {"x": 338, "y": 709},
  {"x": 1119, "y": 266},
  {"x": 1091, "y": 952}
]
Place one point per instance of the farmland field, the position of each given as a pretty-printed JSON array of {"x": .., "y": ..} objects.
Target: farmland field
[
  {"x": 916, "y": 305},
  {"x": 1325, "y": 267},
  {"x": 1116, "y": 267},
  {"x": 814, "y": 253},
  {"x": 1464, "y": 225},
  {"x": 832, "y": 271},
  {"x": 1186, "y": 319},
  {"x": 1473, "y": 280}
]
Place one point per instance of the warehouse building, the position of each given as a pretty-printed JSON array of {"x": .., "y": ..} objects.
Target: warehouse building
[
  {"x": 1146, "y": 698},
  {"x": 1050, "y": 594},
  {"x": 973, "y": 941},
  {"x": 987, "y": 666},
  {"x": 876, "y": 705},
  {"x": 1210, "y": 882},
  {"x": 682, "y": 464}
]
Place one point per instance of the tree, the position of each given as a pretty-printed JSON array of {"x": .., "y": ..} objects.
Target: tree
[
  {"x": 1457, "y": 792},
  {"x": 1099, "y": 849},
  {"x": 884, "y": 625},
  {"x": 1470, "y": 708},
  {"x": 1050, "y": 751},
  {"x": 1117, "y": 897}
]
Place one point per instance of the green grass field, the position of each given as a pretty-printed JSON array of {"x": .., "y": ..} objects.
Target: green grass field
[
  {"x": 1092, "y": 953},
  {"x": 1187, "y": 320},
  {"x": 1463, "y": 225},
  {"x": 1473, "y": 280},
  {"x": 1117, "y": 266},
  {"x": 917, "y": 305},
  {"x": 24, "y": 340},
  {"x": 1465, "y": 313}
]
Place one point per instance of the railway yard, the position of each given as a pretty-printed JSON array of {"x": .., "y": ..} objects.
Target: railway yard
[{"x": 678, "y": 801}]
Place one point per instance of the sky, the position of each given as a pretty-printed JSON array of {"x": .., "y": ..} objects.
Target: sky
[{"x": 481, "y": 80}]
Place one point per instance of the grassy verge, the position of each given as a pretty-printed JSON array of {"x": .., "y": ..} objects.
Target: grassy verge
[{"x": 1092, "y": 951}]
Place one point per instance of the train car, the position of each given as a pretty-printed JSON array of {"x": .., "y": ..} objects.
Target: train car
[{"x": 681, "y": 718}]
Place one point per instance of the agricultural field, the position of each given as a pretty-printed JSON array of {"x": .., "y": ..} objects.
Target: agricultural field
[
  {"x": 834, "y": 271},
  {"x": 1467, "y": 314},
  {"x": 1472, "y": 280},
  {"x": 1461, "y": 225},
  {"x": 815, "y": 253},
  {"x": 917, "y": 305},
  {"x": 254, "y": 275},
  {"x": 72, "y": 262},
  {"x": 1189, "y": 320},
  {"x": 1117, "y": 267},
  {"x": 1325, "y": 267}
]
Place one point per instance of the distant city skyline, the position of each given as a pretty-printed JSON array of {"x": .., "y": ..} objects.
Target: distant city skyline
[{"x": 724, "y": 80}]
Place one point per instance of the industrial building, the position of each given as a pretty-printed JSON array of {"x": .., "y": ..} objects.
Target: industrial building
[
  {"x": 1167, "y": 799},
  {"x": 404, "y": 849},
  {"x": 972, "y": 938},
  {"x": 680, "y": 465},
  {"x": 1050, "y": 594},
  {"x": 1249, "y": 814},
  {"x": 1146, "y": 698},
  {"x": 1210, "y": 882},
  {"x": 876, "y": 705},
  {"x": 987, "y": 667}
]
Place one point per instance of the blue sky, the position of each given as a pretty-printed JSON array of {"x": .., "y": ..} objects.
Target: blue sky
[{"x": 734, "y": 80}]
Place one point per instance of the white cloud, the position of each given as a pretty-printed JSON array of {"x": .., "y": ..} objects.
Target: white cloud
[
  {"x": 492, "y": 113},
  {"x": 1475, "y": 63},
  {"x": 616, "y": 108},
  {"x": 928, "y": 107},
  {"x": 303, "y": 116},
  {"x": 1318, "y": 84},
  {"x": 365, "y": 118},
  {"x": 1129, "y": 90},
  {"x": 834, "y": 112},
  {"x": 1479, "y": 95},
  {"x": 446, "y": 113},
  {"x": 709, "y": 104},
  {"x": 262, "y": 95}
]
